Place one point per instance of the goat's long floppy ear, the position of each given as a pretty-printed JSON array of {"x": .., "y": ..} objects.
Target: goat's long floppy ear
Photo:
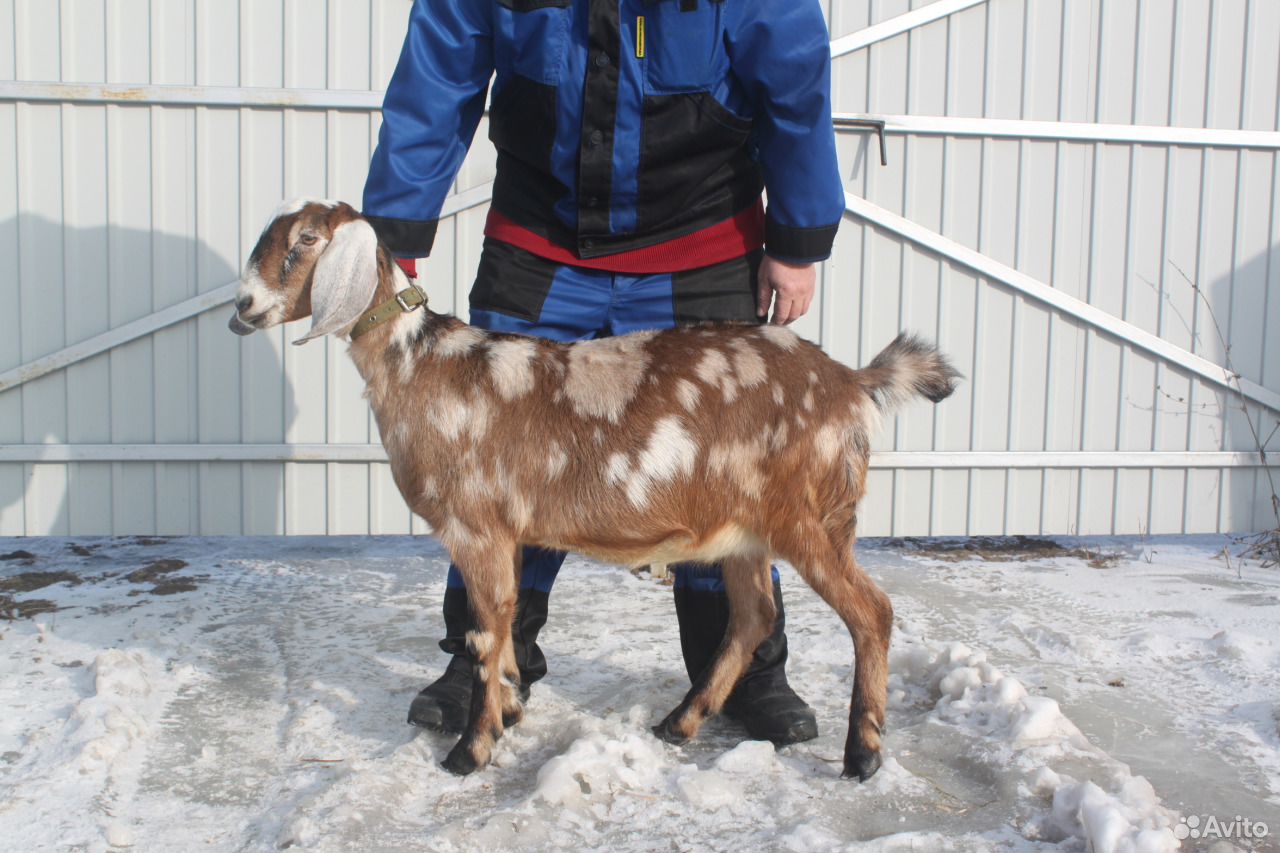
[{"x": 344, "y": 280}]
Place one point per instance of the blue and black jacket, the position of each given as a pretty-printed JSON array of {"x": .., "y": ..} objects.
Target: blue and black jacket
[{"x": 619, "y": 124}]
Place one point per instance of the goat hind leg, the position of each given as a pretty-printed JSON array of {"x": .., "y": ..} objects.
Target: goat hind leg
[
  {"x": 868, "y": 614},
  {"x": 486, "y": 571},
  {"x": 751, "y": 615}
]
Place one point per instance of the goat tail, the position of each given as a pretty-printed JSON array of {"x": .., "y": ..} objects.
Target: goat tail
[{"x": 907, "y": 368}]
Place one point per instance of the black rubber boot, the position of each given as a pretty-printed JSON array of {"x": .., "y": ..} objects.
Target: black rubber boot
[
  {"x": 444, "y": 704},
  {"x": 762, "y": 701}
]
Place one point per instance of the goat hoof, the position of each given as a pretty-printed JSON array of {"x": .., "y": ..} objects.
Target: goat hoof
[
  {"x": 460, "y": 761},
  {"x": 667, "y": 731},
  {"x": 861, "y": 765}
]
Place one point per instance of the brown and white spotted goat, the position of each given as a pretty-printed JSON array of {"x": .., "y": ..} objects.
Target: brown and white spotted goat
[{"x": 717, "y": 442}]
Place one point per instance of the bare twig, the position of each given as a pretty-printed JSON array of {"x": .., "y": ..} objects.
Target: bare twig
[{"x": 1263, "y": 546}]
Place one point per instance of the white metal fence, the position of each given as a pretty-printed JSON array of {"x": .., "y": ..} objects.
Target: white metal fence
[{"x": 1079, "y": 195}]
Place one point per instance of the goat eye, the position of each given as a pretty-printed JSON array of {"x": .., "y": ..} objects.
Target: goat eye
[{"x": 306, "y": 238}]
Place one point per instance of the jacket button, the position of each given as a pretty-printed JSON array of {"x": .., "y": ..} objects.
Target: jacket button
[
  {"x": 596, "y": 137},
  {"x": 588, "y": 243},
  {"x": 593, "y": 201},
  {"x": 602, "y": 60}
]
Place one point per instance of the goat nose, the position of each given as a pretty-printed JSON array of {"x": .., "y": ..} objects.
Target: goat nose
[{"x": 243, "y": 304}]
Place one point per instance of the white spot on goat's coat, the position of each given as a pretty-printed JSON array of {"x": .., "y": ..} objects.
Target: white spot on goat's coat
[
  {"x": 617, "y": 469},
  {"x": 747, "y": 364},
  {"x": 480, "y": 642},
  {"x": 557, "y": 460},
  {"x": 452, "y": 415},
  {"x": 670, "y": 452},
  {"x": 458, "y": 342},
  {"x": 739, "y": 461},
  {"x": 511, "y": 362},
  {"x": 714, "y": 370},
  {"x": 827, "y": 441},
  {"x": 604, "y": 374},
  {"x": 688, "y": 394},
  {"x": 780, "y": 336},
  {"x": 453, "y": 532}
]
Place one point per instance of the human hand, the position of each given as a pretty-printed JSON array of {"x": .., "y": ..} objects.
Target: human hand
[{"x": 789, "y": 287}]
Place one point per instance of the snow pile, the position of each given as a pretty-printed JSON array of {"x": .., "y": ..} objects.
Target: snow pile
[
  {"x": 97, "y": 756},
  {"x": 1030, "y": 733},
  {"x": 263, "y": 709},
  {"x": 1129, "y": 820},
  {"x": 607, "y": 757},
  {"x": 618, "y": 755},
  {"x": 969, "y": 691}
]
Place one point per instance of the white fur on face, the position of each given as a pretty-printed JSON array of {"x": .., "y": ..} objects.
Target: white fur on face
[
  {"x": 511, "y": 364},
  {"x": 264, "y": 302}
]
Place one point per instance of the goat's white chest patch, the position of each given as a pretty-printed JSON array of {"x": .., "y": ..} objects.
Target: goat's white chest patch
[
  {"x": 511, "y": 365},
  {"x": 604, "y": 375}
]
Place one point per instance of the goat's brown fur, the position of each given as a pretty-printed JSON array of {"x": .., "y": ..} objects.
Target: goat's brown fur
[{"x": 716, "y": 442}]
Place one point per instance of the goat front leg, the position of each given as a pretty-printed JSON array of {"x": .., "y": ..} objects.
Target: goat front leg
[
  {"x": 751, "y": 615},
  {"x": 486, "y": 568}
]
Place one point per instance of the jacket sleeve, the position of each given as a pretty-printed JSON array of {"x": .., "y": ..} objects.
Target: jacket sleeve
[
  {"x": 781, "y": 52},
  {"x": 429, "y": 116}
]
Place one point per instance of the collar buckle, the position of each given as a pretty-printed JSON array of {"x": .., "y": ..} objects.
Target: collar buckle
[{"x": 417, "y": 296}]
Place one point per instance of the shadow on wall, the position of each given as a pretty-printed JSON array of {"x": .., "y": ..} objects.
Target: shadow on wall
[
  {"x": 1246, "y": 310},
  {"x": 193, "y": 382}
]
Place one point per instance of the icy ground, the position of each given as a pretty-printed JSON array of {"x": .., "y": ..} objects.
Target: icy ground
[{"x": 224, "y": 694}]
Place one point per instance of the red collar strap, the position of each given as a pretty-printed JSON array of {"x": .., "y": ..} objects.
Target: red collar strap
[{"x": 724, "y": 241}]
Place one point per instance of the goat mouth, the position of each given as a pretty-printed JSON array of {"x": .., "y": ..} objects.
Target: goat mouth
[{"x": 241, "y": 326}]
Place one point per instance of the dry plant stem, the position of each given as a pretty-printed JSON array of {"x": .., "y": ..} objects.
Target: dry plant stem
[{"x": 1264, "y": 546}]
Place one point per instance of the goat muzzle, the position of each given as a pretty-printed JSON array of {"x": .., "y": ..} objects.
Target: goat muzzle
[{"x": 240, "y": 327}]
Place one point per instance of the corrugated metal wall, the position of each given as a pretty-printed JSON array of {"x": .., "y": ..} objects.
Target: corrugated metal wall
[{"x": 111, "y": 212}]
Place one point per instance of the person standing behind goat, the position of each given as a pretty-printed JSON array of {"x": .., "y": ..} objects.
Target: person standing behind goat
[{"x": 634, "y": 140}]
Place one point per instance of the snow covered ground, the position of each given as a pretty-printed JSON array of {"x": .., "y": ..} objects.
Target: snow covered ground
[{"x": 225, "y": 694}]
